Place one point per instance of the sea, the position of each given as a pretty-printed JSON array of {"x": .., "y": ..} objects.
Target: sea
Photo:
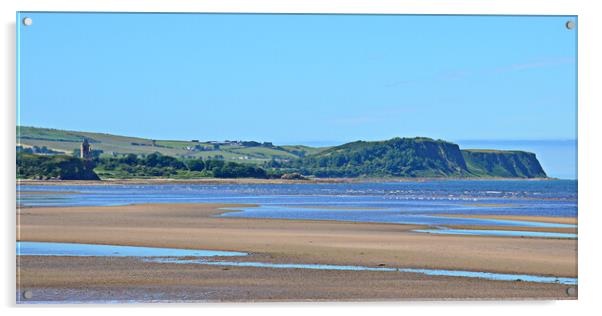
[{"x": 428, "y": 202}]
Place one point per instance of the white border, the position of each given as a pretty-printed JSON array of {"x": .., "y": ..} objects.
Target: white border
[{"x": 589, "y": 24}]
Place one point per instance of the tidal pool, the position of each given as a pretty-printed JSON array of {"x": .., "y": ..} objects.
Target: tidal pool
[
  {"x": 493, "y": 232},
  {"x": 28, "y": 248},
  {"x": 371, "y": 215},
  {"x": 173, "y": 255},
  {"x": 431, "y": 272}
]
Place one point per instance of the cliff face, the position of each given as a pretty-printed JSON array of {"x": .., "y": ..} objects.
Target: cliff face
[
  {"x": 510, "y": 164},
  {"x": 417, "y": 157},
  {"x": 428, "y": 157}
]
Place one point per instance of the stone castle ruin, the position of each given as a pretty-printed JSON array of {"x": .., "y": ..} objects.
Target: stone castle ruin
[{"x": 85, "y": 149}]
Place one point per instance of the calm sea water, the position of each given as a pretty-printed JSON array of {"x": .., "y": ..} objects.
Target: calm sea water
[{"x": 398, "y": 202}]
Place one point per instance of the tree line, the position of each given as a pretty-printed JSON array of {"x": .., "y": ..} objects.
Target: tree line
[
  {"x": 33, "y": 166},
  {"x": 157, "y": 165},
  {"x": 59, "y": 167}
]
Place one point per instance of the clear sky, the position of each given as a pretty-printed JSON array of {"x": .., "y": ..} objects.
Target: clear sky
[{"x": 303, "y": 79}]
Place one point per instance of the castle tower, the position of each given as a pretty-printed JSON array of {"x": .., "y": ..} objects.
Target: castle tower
[{"x": 84, "y": 151}]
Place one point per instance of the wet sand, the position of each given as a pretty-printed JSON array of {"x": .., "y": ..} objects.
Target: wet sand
[
  {"x": 81, "y": 279},
  {"x": 545, "y": 219},
  {"x": 46, "y": 192},
  {"x": 152, "y": 181},
  {"x": 517, "y": 228},
  {"x": 281, "y": 241}
]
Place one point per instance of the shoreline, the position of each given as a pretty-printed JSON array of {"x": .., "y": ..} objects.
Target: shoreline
[
  {"x": 195, "y": 226},
  {"x": 129, "y": 280},
  {"x": 214, "y": 181},
  {"x": 526, "y": 218},
  {"x": 224, "y": 208}
]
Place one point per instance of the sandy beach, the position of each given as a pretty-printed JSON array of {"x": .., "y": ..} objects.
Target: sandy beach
[
  {"x": 194, "y": 226},
  {"x": 157, "y": 181}
]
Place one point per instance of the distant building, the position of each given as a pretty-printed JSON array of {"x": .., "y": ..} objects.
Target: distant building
[{"x": 84, "y": 151}]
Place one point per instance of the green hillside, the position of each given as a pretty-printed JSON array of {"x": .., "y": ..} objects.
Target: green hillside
[
  {"x": 114, "y": 145},
  {"x": 402, "y": 157},
  {"x": 414, "y": 157}
]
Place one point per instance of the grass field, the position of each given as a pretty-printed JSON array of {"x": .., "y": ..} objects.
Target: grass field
[{"x": 67, "y": 141}]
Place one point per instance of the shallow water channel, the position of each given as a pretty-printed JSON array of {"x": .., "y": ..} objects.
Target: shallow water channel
[{"x": 173, "y": 255}]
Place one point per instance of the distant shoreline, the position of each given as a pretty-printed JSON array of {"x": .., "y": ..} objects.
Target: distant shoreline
[{"x": 259, "y": 181}]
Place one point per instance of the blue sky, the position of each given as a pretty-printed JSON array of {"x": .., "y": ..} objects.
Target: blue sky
[{"x": 309, "y": 79}]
